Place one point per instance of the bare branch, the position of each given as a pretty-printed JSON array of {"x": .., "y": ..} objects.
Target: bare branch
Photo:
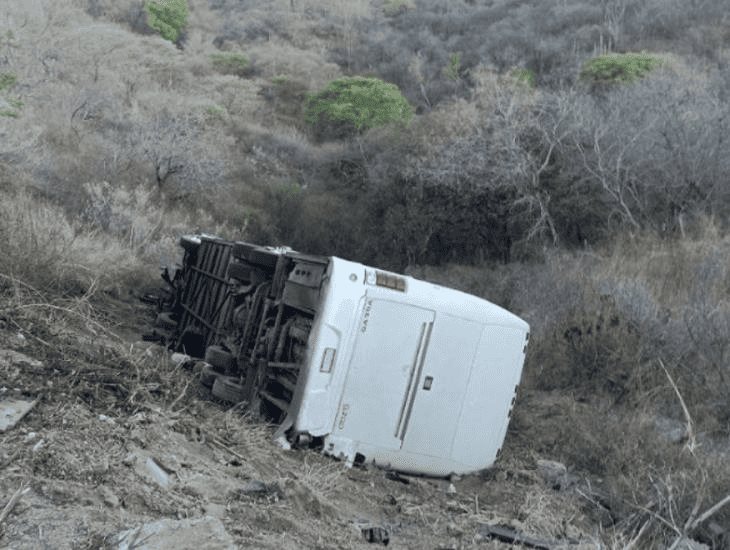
[{"x": 691, "y": 438}]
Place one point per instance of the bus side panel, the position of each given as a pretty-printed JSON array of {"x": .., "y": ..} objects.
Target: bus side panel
[
  {"x": 378, "y": 377},
  {"x": 494, "y": 378},
  {"x": 439, "y": 392}
]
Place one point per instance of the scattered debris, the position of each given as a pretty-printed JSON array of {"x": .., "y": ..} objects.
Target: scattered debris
[
  {"x": 22, "y": 490},
  {"x": 12, "y": 411},
  {"x": 376, "y": 535},
  {"x": 158, "y": 473},
  {"x": 507, "y": 534},
  {"x": 554, "y": 474},
  {"x": 9, "y": 357},
  {"x": 256, "y": 488},
  {"x": 179, "y": 359},
  {"x": 188, "y": 534},
  {"x": 457, "y": 507},
  {"x": 442, "y": 485},
  {"x": 38, "y": 446},
  {"x": 397, "y": 476}
]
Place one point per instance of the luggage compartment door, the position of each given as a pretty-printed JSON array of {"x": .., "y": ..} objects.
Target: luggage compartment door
[
  {"x": 440, "y": 391},
  {"x": 388, "y": 354}
]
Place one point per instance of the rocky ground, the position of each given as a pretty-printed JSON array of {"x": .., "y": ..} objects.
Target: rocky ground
[{"x": 123, "y": 448}]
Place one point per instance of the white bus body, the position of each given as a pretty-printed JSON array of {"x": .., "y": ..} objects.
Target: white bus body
[
  {"x": 420, "y": 380},
  {"x": 368, "y": 366}
]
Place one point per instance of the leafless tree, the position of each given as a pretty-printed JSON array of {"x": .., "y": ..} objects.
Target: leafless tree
[
  {"x": 182, "y": 157},
  {"x": 657, "y": 150}
]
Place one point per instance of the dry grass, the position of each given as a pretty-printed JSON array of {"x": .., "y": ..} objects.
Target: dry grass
[
  {"x": 44, "y": 248},
  {"x": 617, "y": 335},
  {"x": 116, "y": 240},
  {"x": 606, "y": 317},
  {"x": 546, "y": 514},
  {"x": 323, "y": 477},
  {"x": 94, "y": 92}
]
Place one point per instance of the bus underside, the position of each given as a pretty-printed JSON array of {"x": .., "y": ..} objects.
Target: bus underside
[{"x": 248, "y": 311}]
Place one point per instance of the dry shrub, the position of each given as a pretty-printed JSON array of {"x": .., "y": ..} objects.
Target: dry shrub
[
  {"x": 627, "y": 473},
  {"x": 286, "y": 98},
  {"x": 543, "y": 514},
  {"x": 282, "y": 59},
  {"x": 642, "y": 477},
  {"x": 603, "y": 324},
  {"x": 494, "y": 282},
  {"x": 138, "y": 219},
  {"x": 602, "y": 320},
  {"x": 323, "y": 477},
  {"x": 591, "y": 347},
  {"x": 41, "y": 246},
  {"x": 116, "y": 239}
]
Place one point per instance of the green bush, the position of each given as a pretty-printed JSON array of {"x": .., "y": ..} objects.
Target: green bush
[
  {"x": 215, "y": 110},
  {"x": 354, "y": 104},
  {"x": 453, "y": 69},
  {"x": 230, "y": 63},
  {"x": 214, "y": 113},
  {"x": 168, "y": 17},
  {"x": 524, "y": 77},
  {"x": 391, "y": 8},
  {"x": 10, "y": 108},
  {"x": 616, "y": 68},
  {"x": 7, "y": 81}
]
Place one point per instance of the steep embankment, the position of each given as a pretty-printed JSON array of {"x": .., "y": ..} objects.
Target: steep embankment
[
  {"x": 121, "y": 437},
  {"x": 590, "y": 198}
]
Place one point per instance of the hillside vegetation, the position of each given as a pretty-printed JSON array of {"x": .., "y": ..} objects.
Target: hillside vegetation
[{"x": 568, "y": 159}]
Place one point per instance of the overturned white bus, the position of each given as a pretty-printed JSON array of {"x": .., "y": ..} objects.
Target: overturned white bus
[{"x": 367, "y": 365}]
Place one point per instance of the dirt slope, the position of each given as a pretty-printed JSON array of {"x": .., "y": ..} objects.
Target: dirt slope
[{"x": 122, "y": 437}]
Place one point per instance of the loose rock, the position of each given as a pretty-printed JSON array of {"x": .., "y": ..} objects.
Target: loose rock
[
  {"x": 254, "y": 487},
  {"x": 110, "y": 499},
  {"x": 158, "y": 473},
  {"x": 12, "y": 411},
  {"x": 554, "y": 473}
]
